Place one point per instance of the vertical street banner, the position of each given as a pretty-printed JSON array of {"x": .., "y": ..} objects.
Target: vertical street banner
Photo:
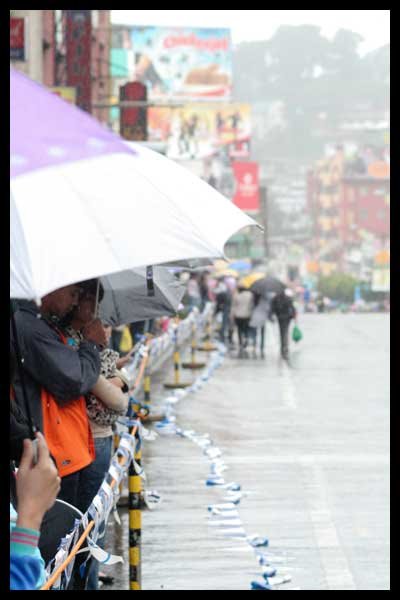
[
  {"x": 183, "y": 61},
  {"x": 247, "y": 194},
  {"x": 17, "y": 39},
  {"x": 78, "y": 46}
]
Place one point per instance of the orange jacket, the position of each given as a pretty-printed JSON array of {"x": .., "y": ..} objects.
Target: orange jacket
[{"x": 67, "y": 432}]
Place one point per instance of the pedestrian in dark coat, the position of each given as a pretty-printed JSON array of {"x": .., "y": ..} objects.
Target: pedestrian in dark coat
[
  {"x": 56, "y": 379},
  {"x": 282, "y": 306}
]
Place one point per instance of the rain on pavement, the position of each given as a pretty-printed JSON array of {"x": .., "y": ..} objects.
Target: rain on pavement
[{"x": 310, "y": 445}]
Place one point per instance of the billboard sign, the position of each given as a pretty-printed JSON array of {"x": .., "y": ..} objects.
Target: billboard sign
[
  {"x": 380, "y": 280},
  {"x": 183, "y": 61},
  {"x": 201, "y": 130},
  {"x": 17, "y": 39},
  {"x": 247, "y": 195}
]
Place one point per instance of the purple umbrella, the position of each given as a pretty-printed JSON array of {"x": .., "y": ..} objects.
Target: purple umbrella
[{"x": 85, "y": 204}]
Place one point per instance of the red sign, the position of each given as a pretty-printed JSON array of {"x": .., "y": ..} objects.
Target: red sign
[
  {"x": 247, "y": 186},
  {"x": 133, "y": 120},
  {"x": 79, "y": 42},
  {"x": 17, "y": 38}
]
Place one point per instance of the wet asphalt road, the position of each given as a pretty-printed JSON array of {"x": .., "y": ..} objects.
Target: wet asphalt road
[{"x": 309, "y": 444}]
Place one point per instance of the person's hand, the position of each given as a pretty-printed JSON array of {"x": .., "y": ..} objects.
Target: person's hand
[
  {"x": 123, "y": 360},
  {"x": 37, "y": 484},
  {"x": 117, "y": 382},
  {"x": 95, "y": 332}
]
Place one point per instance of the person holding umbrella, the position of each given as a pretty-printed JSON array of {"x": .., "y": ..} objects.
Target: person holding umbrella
[{"x": 282, "y": 306}]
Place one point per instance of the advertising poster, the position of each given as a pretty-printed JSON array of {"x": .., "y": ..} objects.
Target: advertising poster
[
  {"x": 17, "y": 38},
  {"x": 247, "y": 186},
  {"x": 380, "y": 280},
  {"x": 201, "y": 130},
  {"x": 183, "y": 62}
]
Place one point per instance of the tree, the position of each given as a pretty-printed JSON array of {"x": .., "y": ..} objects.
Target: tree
[
  {"x": 312, "y": 76},
  {"x": 338, "y": 286}
]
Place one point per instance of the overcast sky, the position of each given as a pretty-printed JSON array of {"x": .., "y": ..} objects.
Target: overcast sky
[{"x": 250, "y": 25}]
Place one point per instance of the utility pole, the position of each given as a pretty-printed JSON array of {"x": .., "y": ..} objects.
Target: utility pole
[{"x": 264, "y": 214}]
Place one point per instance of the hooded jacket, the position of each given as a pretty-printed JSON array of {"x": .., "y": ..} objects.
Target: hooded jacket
[{"x": 54, "y": 371}]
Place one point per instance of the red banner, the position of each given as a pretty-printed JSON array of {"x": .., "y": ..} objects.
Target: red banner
[
  {"x": 79, "y": 42},
  {"x": 247, "y": 186},
  {"x": 17, "y": 38}
]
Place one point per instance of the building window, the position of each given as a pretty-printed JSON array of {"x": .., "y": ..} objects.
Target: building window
[
  {"x": 381, "y": 214},
  {"x": 363, "y": 214}
]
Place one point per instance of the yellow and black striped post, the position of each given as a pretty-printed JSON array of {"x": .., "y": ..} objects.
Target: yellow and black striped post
[
  {"x": 193, "y": 364},
  {"x": 208, "y": 346},
  {"x": 177, "y": 383},
  {"x": 135, "y": 524}
]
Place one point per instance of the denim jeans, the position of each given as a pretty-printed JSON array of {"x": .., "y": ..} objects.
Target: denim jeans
[{"x": 90, "y": 484}]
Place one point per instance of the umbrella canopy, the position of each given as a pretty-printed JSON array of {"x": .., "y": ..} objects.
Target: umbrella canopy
[
  {"x": 126, "y": 298},
  {"x": 220, "y": 264},
  {"x": 240, "y": 265},
  {"x": 84, "y": 204},
  {"x": 225, "y": 273},
  {"x": 268, "y": 285},
  {"x": 251, "y": 278}
]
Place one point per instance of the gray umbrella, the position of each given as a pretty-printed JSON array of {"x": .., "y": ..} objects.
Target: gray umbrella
[
  {"x": 266, "y": 286},
  {"x": 127, "y": 298}
]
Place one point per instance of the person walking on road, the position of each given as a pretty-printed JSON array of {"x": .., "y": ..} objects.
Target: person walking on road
[
  {"x": 223, "y": 305},
  {"x": 282, "y": 306},
  {"x": 257, "y": 322},
  {"x": 242, "y": 308}
]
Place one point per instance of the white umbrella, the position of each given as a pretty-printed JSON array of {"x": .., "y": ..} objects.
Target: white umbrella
[{"x": 83, "y": 204}]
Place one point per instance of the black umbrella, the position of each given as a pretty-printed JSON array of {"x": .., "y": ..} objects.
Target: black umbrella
[
  {"x": 139, "y": 294},
  {"x": 268, "y": 285}
]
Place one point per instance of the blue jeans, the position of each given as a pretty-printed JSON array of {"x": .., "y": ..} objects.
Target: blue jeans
[{"x": 89, "y": 486}]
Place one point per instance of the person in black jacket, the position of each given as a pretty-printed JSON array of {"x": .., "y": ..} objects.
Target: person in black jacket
[
  {"x": 50, "y": 365},
  {"x": 282, "y": 306}
]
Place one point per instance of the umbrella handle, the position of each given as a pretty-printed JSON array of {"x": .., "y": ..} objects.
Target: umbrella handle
[{"x": 96, "y": 309}]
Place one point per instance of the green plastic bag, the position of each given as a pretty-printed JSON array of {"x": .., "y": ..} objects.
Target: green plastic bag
[{"x": 296, "y": 334}]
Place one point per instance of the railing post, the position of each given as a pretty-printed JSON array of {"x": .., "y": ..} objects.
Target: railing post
[
  {"x": 177, "y": 383},
  {"x": 208, "y": 346},
  {"x": 135, "y": 523},
  {"x": 193, "y": 364}
]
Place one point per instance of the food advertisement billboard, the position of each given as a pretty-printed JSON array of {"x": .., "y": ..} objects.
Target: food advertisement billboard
[{"x": 183, "y": 62}]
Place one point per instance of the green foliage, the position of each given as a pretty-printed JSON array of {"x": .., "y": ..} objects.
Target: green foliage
[
  {"x": 338, "y": 286},
  {"x": 311, "y": 75}
]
